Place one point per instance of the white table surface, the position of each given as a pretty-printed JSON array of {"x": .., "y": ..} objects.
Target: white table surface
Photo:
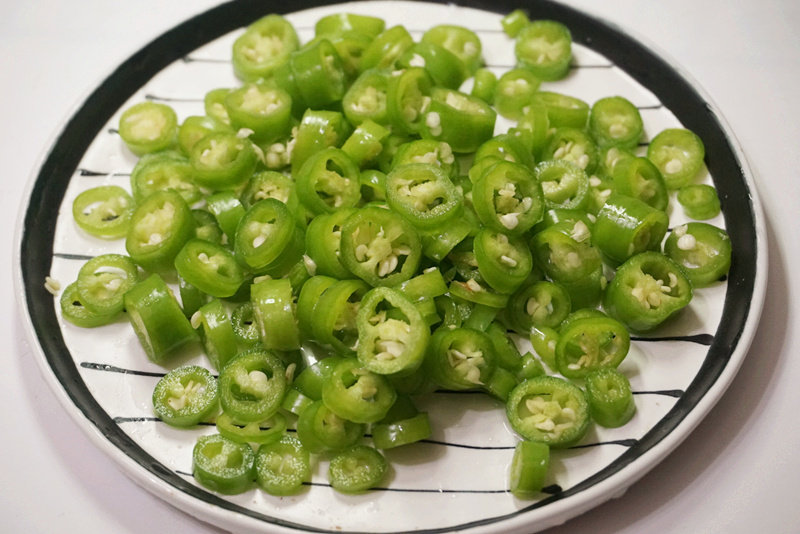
[{"x": 736, "y": 473}]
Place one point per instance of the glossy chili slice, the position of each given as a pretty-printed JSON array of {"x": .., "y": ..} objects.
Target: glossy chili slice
[
  {"x": 195, "y": 127},
  {"x": 542, "y": 303},
  {"x": 590, "y": 343},
  {"x": 639, "y": 178},
  {"x": 74, "y": 311},
  {"x": 386, "y": 48},
  {"x": 615, "y": 121},
  {"x": 282, "y": 467},
  {"x": 223, "y": 465},
  {"x": 318, "y": 130},
  {"x": 396, "y": 433},
  {"x": 529, "y": 468},
  {"x": 392, "y": 333},
  {"x": 323, "y": 241},
  {"x": 564, "y": 184},
  {"x": 148, "y": 127},
  {"x": 563, "y": 110},
  {"x": 423, "y": 194},
  {"x": 678, "y": 153},
  {"x": 444, "y": 67},
  {"x": 507, "y": 198},
  {"x": 380, "y": 247},
  {"x": 357, "y": 469},
  {"x": 265, "y": 45},
  {"x": 460, "y": 358},
  {"x": 320, "y": 429},
  {"x": 333, "y": 322},
  {"x": 222, "y": 161},
  {"x": 267, "y": 431},
  {"x": 461, "y": 41},
  {"x": 274, "y": 312},
  {"x": 549, "y": 410},
  {"x": 103, "y": 281},
  {"x": 266, "y": 235},
  {"x": 462, "y": 121},
  {"x": 104, "y": 211},
  {"x": 504, "y": 261},
  {"x": 328, "y": 181},
  {"x": 648, "y": 289},
  {"x": 185, "y": 396},
  {"x": 408, "y": 98},
  {"x": 702, "y": 250},
  {"x": 158, "y": 319},
  {"x": 252, "y": 385},
  {"x": 264, "y": 109},
  {"x": 544, "y": 47},
  {"x": 626, "y": 226},
  {"x": 217, "y": 334},
  {"x": 610, "y": 398},
  {"x": 159, "y": 228},
  {"x": 699, "y": 201},
  {"x": 514, "y": 91},
  {"x": 209, "y": 267},
  {"x": 164, "y": 170},
  {"x": 356, "y": 393},
  {"x": 366, "y": 99}
]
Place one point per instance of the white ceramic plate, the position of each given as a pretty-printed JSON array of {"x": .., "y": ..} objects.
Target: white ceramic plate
[{"x": 458, "y": 479}]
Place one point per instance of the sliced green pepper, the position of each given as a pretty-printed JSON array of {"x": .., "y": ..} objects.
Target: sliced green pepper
[
  {"x": 264, "y": 109},
  {"x": 678, "y": 153},
  {"x": 380, "y": 247},
  {"x": 223, "y": 161},
  {"x": 320, "y": 429},
  {"x": 702, "y": 250},
  {"x": 357, "y": 394},
  {"x": 699, "y": 201},
  {"x": 626, "y": 226},
  {"x": 209, "y": 267},
  {"x": 273, "y": 310},
  {"x": 282, "y": 467},
  {"x": 185, "y": 396},
  {"x": 159, "y": 228},
  {"x": 615, "y": 121},
  {"x": 267, "y": 235},
  {"x": 356, "y": 469},
  {"x": 460, "y": 358},
  {"x": 328, "y": 181},
  {"x": 529, "y": 468},
  {"x": 103, "y": 281},
  {"x": 218, "y": 336},
  {"x": 590, "y": 342},
  {"x": 462, "y": 121},
  {"x": 392, "y": 336},
  {"x": 639, "y": 178},
  {"x": 610, "y": 398},
  {"x": 223, "y": 465},
  {"x": 163, "y": 170},
  {"x": 507, "y": 198},
  {"x": 423, "y": 194},
  {"x": 157, "y": 319},
  {"x": 265, "y": 45},
  {"x": 648, "y": 289},
  {"x": 148, "y": 127},
  {"x": 103, "y": 211},
  {"x": 544, "y": 47},
  {"x": 252, "y": 385},
  {"x": 549, "y": 410}
]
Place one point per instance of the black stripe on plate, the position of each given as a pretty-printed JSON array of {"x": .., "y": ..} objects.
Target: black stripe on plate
[{"x": 653, "y": 72}]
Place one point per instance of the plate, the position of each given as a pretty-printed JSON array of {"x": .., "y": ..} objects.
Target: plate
[{"x": 458, "y": 479}]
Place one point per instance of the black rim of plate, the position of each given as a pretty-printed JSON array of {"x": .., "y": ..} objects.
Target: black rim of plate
[{"x": 649, "y": 69}]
